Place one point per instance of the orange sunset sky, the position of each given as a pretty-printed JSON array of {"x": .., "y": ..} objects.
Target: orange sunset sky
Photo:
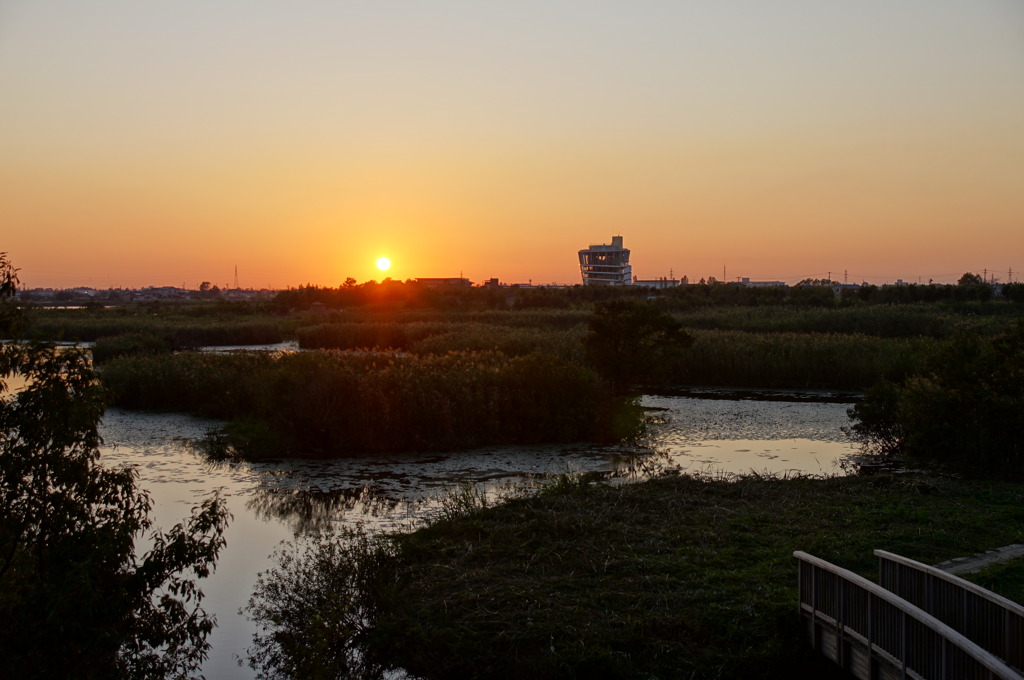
[{"x": 164, "y": 143}]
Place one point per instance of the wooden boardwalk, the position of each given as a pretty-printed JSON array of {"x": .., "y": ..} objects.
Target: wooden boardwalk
[
  {"x": 876, "y": 634},
  {"x": 993, "y": 622}
]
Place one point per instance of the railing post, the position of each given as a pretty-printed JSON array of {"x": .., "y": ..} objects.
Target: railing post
[
  {"x": 871, "y": 631},
  {"x": 815, "y": 633},
  {"x": 1007, "y": 637},
  {"x": 841, "y": 624},
  {"x": 903, "y": 643},
  {"x": 969, "y": 620}
]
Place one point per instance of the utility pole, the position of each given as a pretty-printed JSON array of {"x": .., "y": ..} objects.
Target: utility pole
[{"x": 236, "y": 276}]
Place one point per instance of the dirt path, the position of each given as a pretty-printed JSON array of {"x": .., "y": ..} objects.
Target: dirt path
[{"x": 969, "y": 565}]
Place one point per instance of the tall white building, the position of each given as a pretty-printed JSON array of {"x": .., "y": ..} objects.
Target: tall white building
[{"x": 606, "y": 265}]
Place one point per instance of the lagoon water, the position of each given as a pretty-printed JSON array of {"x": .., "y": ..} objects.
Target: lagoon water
[{"x": 278, "y": 501}]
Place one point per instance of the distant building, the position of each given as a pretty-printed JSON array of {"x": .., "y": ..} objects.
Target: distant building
[
  {"x": 659, "y": 284},
  {"x": 845, "y": 288},
  {"x": 606, "y": 265},
  {"x": 761, "y": 284},
  {"x": 446, "y": 283}
]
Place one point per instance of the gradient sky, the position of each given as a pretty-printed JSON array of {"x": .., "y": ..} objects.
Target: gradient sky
[{"x": 165, "y": 143}]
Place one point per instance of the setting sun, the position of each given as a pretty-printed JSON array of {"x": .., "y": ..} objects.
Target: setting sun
[{"x": 383, "y": 264}]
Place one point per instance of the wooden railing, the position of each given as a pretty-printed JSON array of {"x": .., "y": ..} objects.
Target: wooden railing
[
  {"x": 993, "y": 622},
  {"x": 874, "y": 633}
]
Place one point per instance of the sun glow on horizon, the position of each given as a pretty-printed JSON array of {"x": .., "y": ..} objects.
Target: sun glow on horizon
[{"x": 383, "y": 264}]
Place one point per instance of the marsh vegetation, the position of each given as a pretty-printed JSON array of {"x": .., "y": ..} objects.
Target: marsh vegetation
[{"x": 671, "y": 577}]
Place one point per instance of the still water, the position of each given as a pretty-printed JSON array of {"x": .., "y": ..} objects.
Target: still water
[{"x": 277, "y": 501}]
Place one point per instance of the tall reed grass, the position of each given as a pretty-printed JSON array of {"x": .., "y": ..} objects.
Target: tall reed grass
[
  {"x": 887, "y": 321},
  {"x": 536, "y": 318},
  {"x": 371, "y": 334},
  {"x": 337, "y": 403},
  {"x": 794, "y": 360},
  {"x": 177, "y": 331},
  {"x": 444, "y": 337},
  {"x": 111, "y": 347}
]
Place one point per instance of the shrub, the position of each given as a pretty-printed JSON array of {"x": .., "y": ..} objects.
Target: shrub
[
  {"x": 629, "y": 341},
  {"x": 964, "y": 408},
  {"x": 77, "y": 599}
]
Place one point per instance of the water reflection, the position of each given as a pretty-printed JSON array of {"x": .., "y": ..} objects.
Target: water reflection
[
  {"x": 308, "y": 510},
  {"x": 741, "y": 436}
]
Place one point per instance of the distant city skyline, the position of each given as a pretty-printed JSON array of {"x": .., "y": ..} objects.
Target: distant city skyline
[
  {"x": 166, "y": 143},
  {"x": 990, "y": 276}
]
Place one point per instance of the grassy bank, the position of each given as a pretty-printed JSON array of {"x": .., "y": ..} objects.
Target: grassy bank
[{"x": 671, "y": 578}]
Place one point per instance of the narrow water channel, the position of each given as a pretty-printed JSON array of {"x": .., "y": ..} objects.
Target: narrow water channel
[{"x": 277, "y": 501}]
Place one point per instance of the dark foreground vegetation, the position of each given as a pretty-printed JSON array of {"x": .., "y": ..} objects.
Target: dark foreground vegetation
[
  {"x": 78, "y": 598},
  {"x": 671, "y": 578}
]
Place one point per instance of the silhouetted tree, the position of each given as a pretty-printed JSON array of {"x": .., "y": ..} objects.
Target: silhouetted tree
[
  {"x": 628, "y": 340},
  {"x": 75, "y": 598}
]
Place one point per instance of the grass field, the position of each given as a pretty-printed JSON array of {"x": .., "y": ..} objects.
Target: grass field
[{"x": 670, "y": 578}]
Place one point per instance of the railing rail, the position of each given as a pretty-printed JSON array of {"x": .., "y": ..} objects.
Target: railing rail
[
  {"x": 863, "y": 627},
  {"x": 995, "y": 623}
]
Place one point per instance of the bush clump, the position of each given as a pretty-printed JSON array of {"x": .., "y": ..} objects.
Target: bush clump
[{"x": 964, "y": 408}]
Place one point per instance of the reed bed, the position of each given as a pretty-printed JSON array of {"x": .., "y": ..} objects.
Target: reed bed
[
  {"x": 371, "y": 334},
  {"x": 511, "y": 341},
  {"x": 216, "y": 385},
  {"x": 793, "y": 360},
  {"x": 178, "y": 331},
  {"x": 111, "y": 347},
  {"x": 507, "y": 318},
  {"x": 338, "y": 403},
  {"x": 887, "y": 321},
  {"x": 443, "y": 337}
]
